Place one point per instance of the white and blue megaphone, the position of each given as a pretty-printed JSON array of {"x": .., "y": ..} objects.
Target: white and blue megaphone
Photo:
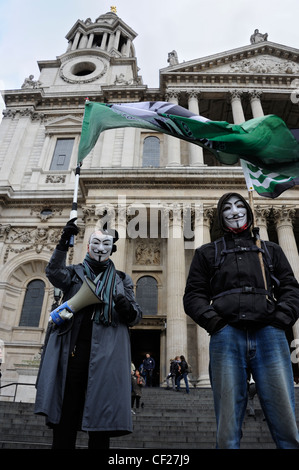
[{"x": 85, "y": 296}]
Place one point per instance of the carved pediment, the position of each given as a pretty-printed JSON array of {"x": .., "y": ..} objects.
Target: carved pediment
[
  {"x": 262, "y": 58},
  {"x": 67, "y": 123},
  {"x": 261, "y": 64}
]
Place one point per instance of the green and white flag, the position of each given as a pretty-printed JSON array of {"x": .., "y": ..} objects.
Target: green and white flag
[
  {"x": 263, "y": 142},
  {"x": 266, "y": 183}
]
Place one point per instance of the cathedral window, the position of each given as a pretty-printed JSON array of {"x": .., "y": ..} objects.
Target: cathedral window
[
  {"x": 147, "y": 295},
  {"x": 62, "y": 154},
  {"x": 151, "y": 152},
  {"x": 32, "y": 304}
]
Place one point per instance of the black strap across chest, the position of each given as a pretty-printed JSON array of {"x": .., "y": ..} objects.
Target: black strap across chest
[{"x": 221, "y": 251}]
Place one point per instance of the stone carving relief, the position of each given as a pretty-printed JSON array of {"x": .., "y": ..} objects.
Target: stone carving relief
[
  {"x": 148, "y": 252},
  {"x": 261, "y": 64},
  {"x": 4, "y": 230},
  {"x": 20, "y": 240},
  {"x": 265, "y": 64},
  {"x": 121, "y": 81},
  {"x": 24, "y": 239},
  {"x": 45, "y": 214},
  {"x": 55, "y": 179},
  {"x": 23, "y": 112}
]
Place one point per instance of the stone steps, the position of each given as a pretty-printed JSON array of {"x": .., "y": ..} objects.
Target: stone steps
[{"x": 169, "y": 420}]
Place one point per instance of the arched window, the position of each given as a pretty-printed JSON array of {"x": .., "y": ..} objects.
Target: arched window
[
  {"x": 33, "y": 302},
  {"x": 147, "y": 295},
  {"x": 151, "y": 152}
]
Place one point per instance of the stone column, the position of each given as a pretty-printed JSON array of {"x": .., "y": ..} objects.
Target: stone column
[
  {"x": 195, "y": 152},
  {"x": 104, "y": 41},
  {"x": 238, "y": 114},
  {"x": 284, "y": 217},
  {"x": 127, "y": 159},
  {"x": 91, "y": 219},
  {"x": 255, "y": 102},
  {"x": 19, "y": 146},
  {"x": 116, "y": 39},
  {"x": 120, "y": 257},
  {"x": 110, "y": 42},
  {"x": 83, "y": 42},
  {"x": 261, "y": 215},
  {"x": 174, "y": 145},
  {"x": 176, "y": 332},
  {"x": 128, "y": 48},
  {"x": 76, "y": 40},
  {"x": 90, "y": 40},
  {"x": 113, "y": 216},
  {"x": 202, "y": 222},
  {"x": 108, "y": 139}
]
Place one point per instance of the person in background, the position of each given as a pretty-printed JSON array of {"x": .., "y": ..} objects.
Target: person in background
[
  {"x": 174, "y": 372},
  {"x": 183, "y": 374},
  {"x": 149, "y": 366},
  {"x": 138, "y": 383}
]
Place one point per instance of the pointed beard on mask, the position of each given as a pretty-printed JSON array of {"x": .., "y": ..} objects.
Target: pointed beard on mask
[{"x": 237, "y": 229}]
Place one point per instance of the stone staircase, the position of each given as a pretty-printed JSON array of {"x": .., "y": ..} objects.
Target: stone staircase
[{"x": 168, "y": 420}]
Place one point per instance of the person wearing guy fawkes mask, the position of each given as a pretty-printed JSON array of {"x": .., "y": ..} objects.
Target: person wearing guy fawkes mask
[
  {"x": 84, "y": 381},
  {"x": 226, "y": 294}
]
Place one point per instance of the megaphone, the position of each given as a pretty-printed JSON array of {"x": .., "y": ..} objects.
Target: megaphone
[{"x": 85, "y": 296}]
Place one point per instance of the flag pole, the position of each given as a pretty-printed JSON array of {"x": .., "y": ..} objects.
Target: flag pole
[
  {"x": 256, "y": 234},
  {"x": 255, "y": 229},
  {"x": 74, "y": 211}
]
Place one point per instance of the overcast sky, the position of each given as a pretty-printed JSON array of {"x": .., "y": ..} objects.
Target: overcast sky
[{"x": 34, "y": 30}]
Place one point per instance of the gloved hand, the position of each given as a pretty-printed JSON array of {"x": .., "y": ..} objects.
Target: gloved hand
[
  {"x": 69, "y": 230},
  {"x": 60, "y": 314},
  {"x": 215, "y": 324},
  {"x": 125, "y": 309}
]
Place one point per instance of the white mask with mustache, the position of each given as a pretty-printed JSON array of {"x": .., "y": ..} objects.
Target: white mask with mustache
[
  {"x": 234, "y": 213},
  {"x": 100, "y": 246}
]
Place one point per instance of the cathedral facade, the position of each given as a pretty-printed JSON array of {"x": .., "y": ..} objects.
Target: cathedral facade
[{"x": 159, "y": 192}]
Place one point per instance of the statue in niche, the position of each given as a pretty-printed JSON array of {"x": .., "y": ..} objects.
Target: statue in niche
[
  {"x": 257, "y": 37},
  {"x": 173, "y": 58}
]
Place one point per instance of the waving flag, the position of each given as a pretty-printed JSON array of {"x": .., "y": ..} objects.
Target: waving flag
[
  {"x": 263, "y": 142},
  {"x": 266, "y": 183}
]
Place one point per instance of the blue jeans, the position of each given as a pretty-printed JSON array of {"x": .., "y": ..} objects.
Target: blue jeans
[
  {"x": 178, "y": 381},
  {"x": 266, "y": 354}
]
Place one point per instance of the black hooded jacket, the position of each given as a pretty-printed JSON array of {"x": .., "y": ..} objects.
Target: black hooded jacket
[{"x": 234, "y": 292}]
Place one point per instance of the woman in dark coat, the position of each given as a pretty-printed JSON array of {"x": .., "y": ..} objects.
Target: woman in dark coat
[{"x": 84, "y": 380}]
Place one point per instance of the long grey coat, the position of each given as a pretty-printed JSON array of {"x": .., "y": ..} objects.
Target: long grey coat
[{"x": 108, "y": 397}]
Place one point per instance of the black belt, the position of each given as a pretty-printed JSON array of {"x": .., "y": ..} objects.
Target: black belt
[{"x": 243, "y": 290}]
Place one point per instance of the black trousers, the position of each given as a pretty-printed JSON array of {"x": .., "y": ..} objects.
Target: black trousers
[
  {"x": 65, "y": 433},
  {"x": 133, "y": 398}
]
